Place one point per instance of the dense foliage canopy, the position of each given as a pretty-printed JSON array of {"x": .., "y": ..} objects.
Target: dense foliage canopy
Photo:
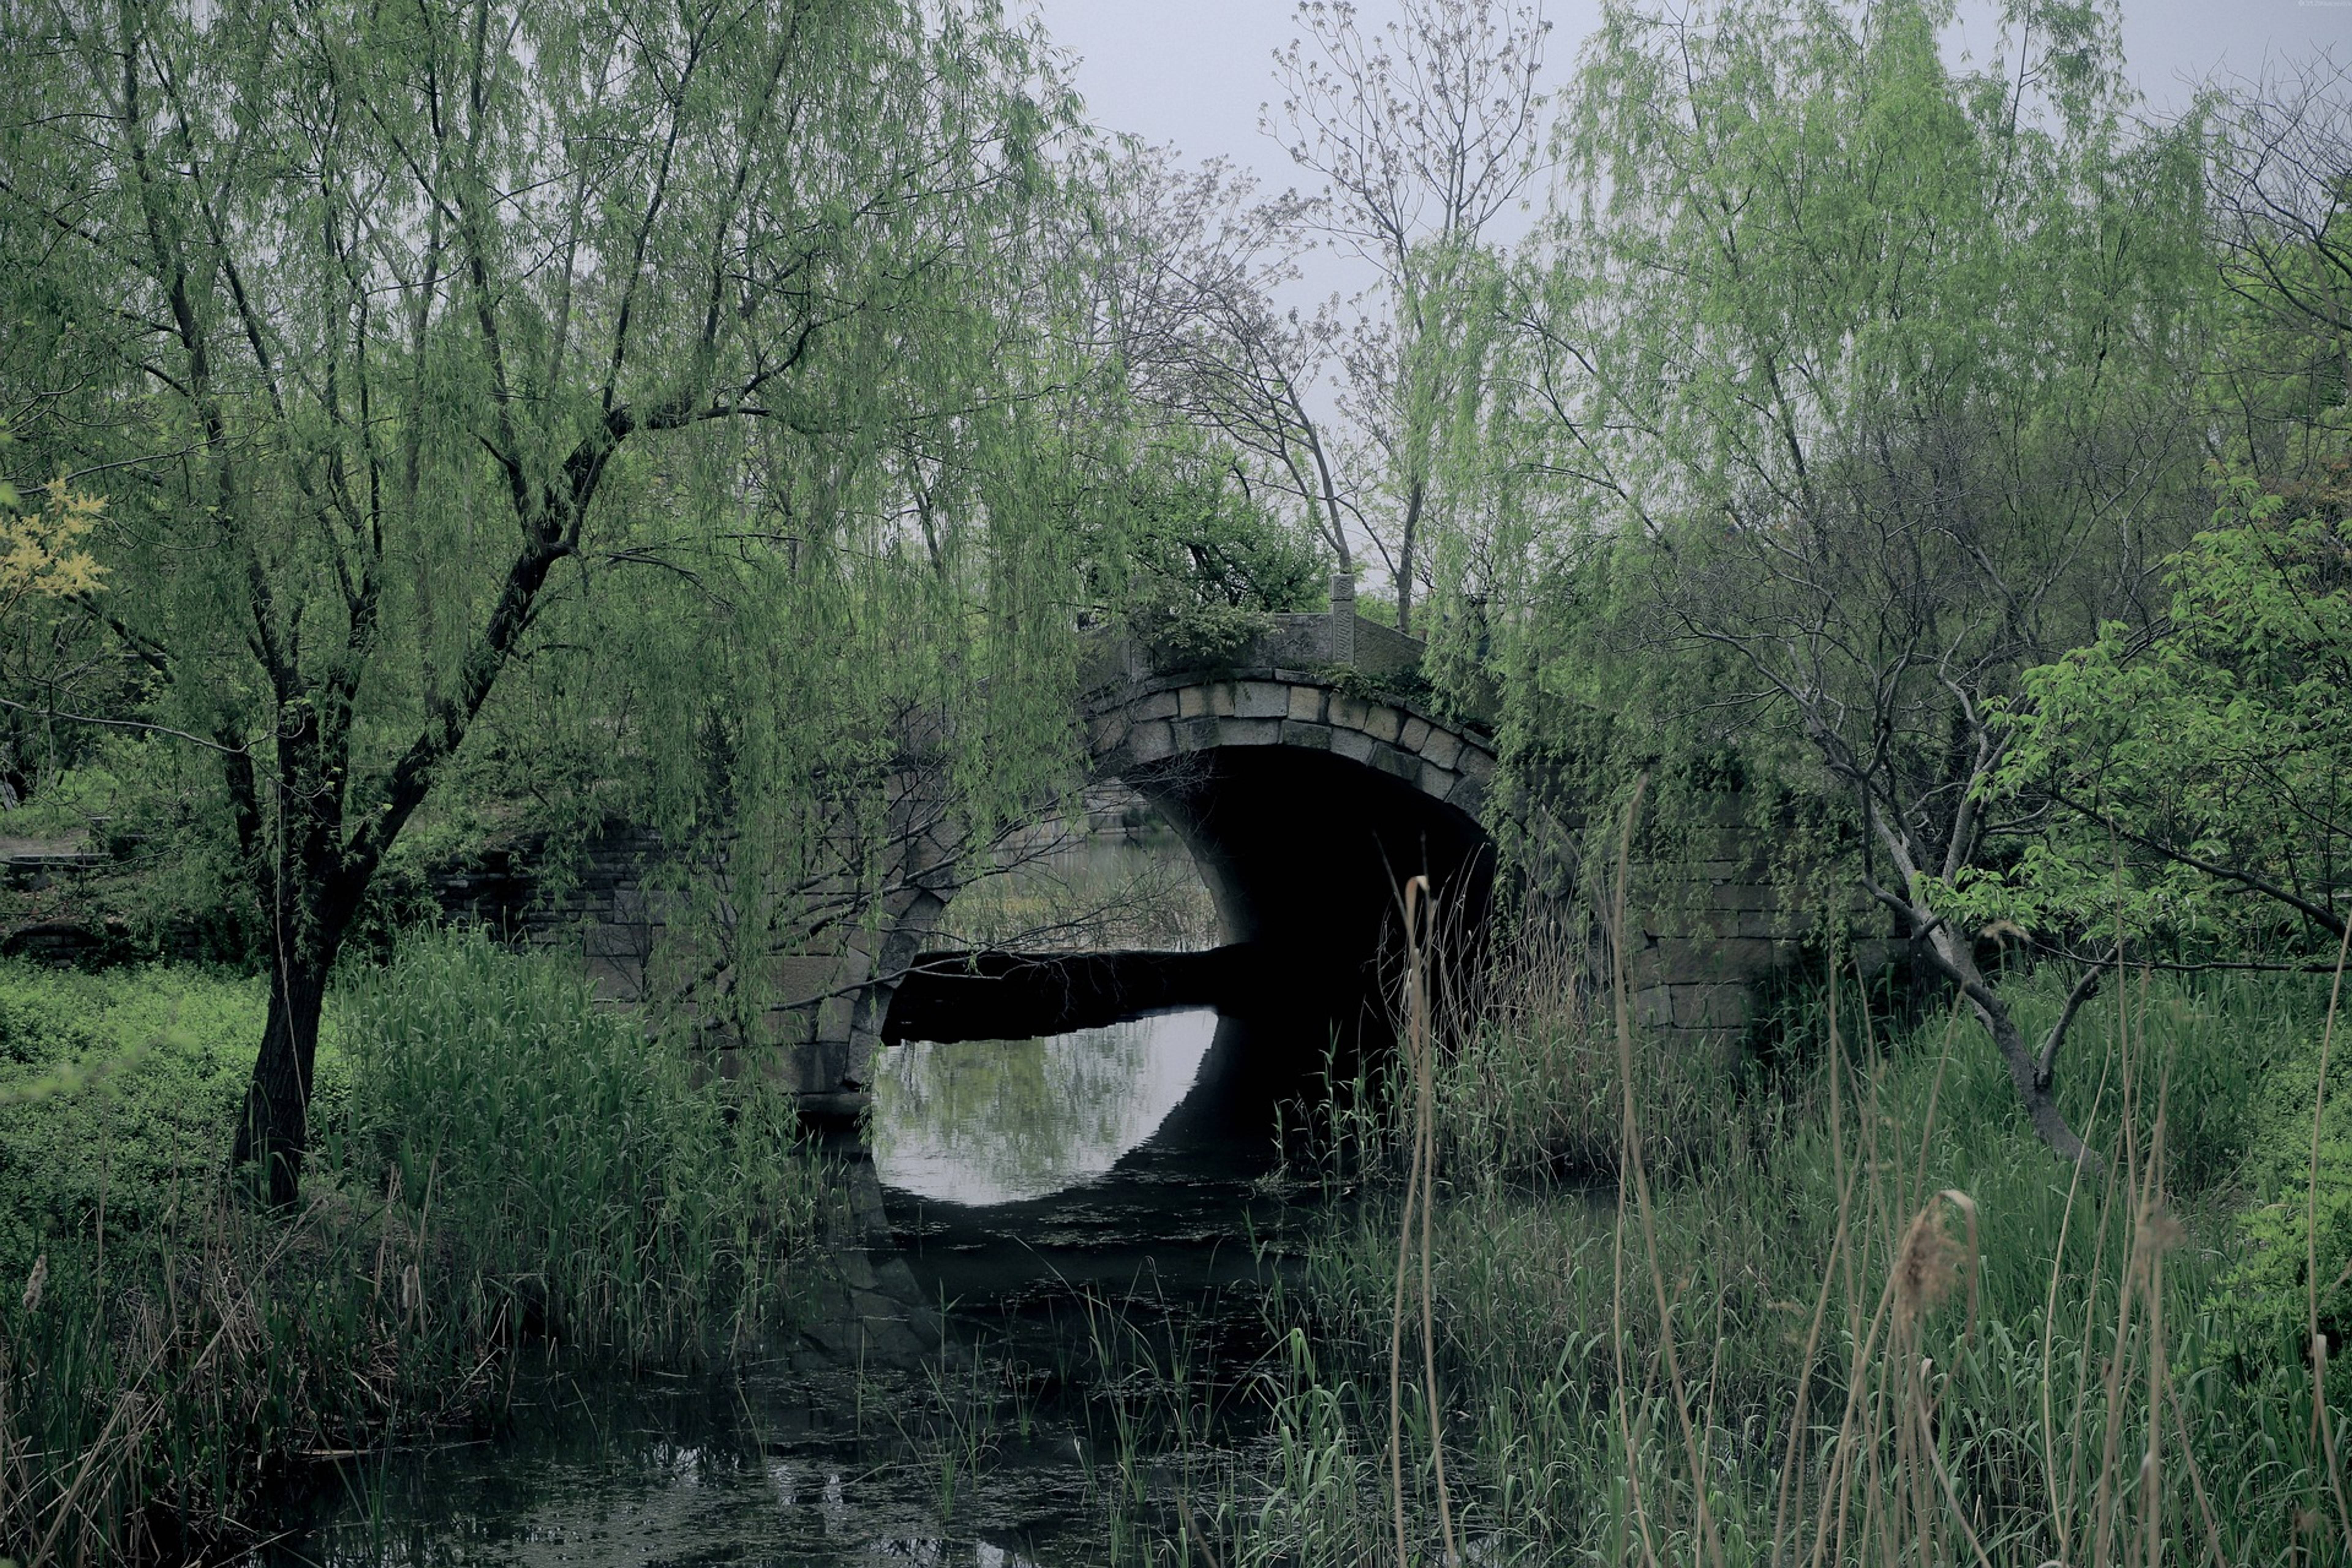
[
  {"x": 726, "y": 419},
  {"x": 465, "y": 367}
]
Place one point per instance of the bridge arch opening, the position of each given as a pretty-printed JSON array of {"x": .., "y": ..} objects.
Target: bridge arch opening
[
  {"x": 1305, "y": 854},
  {"x": 1305, "y": 808}
]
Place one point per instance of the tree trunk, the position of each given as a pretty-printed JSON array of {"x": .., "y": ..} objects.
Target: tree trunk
[
  {"x": 311, "y": 878},
  {"x": 307, "y": 884},
  {"x": 2040, "y": 1100},
  {"x": 274, "y": 1128}
]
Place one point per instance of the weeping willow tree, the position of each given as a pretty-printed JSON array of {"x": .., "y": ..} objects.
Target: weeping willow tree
[
  {"x": 1850, "y": 385},
  {"x": 659, "y": 394}
]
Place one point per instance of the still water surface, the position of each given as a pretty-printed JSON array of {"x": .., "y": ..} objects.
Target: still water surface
[
  {"x": 1034, "y": 1192},
  {"x": 993, "y": 1122}
]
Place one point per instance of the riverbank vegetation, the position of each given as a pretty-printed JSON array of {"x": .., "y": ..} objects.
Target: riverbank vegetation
[
  {"x": 1839, "y": 1310},
  {"x": 170, "y": 1357},
  {"x": 430, "y": 428}
]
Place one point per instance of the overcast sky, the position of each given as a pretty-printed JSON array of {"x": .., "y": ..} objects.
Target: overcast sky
[{"x": 1195, "y": 71}]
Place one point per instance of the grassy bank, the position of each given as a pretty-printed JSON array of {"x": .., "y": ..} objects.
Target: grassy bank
[
  {"x": 1838, "y": 1307},
  {"x": 500, "y": 1162}
]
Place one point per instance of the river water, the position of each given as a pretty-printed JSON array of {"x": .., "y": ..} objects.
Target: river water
[{"x": 1040, "y": 1217}]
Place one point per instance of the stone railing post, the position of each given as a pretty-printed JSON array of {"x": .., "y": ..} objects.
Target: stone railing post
[{"x": 1343, "y": 618}]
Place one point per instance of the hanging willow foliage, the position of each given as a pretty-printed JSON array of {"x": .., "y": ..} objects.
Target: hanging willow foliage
[{"x": 651, "y": 409}]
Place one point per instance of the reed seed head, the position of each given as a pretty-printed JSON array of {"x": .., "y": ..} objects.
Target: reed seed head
[
  {"x": 1927, "y": 1269},
  {"x": 2160, "y": 1230}
]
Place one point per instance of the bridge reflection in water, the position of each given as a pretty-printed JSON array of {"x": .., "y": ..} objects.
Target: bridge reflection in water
[
  {"x": 1025, "y": 1185},
  {"x": 992, "y": 1121}
]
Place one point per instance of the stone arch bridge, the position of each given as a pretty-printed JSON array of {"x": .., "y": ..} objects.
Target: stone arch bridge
[
  {"x": 1303, "y": 782},
  {"x": 1300, "y": 780},
  {"x": 1305, "y": 786}
]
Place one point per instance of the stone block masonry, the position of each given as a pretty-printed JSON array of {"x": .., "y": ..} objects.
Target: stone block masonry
[{"x": 1712, "y": 923}]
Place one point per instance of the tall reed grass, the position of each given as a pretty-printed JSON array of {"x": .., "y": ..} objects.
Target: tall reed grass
[
  {"x": 586, "y": 1180},
  {"x": 502, "y": 1160},
  {"x": 1845, "y": 1312}
]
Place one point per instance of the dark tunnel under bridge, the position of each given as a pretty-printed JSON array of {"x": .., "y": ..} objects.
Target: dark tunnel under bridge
[{"x": 1304, "y": 828}]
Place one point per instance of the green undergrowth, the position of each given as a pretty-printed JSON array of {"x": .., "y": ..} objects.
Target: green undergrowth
[
  {"x": 499, "y": 1160},
  {"x": 1861, "y": 1315}
]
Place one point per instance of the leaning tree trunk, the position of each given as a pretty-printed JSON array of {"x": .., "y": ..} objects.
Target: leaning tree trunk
[
  {"x": 2041, "y": 1101},
  {"x": 2034, "y": 1091}
]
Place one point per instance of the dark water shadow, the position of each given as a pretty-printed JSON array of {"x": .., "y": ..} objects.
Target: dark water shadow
[{"x": 938, "y": 1404}]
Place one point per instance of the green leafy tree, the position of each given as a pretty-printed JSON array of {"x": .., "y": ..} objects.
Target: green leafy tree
[
  {"x": 2194, "y": 764},
  {"x": 1191, "y": 535},
  {"x": 1861, "y": 385},
  {"x": 391, "y": 335},
  {"x": 2202, "y": 766}
]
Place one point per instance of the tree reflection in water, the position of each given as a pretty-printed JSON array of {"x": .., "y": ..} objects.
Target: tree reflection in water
[
  {"x": 994, "y": 1122},
  {"x": 1090, "y": 894}
]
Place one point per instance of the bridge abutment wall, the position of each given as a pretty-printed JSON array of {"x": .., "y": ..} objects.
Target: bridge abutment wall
[{"x": 1717, "y": 917}]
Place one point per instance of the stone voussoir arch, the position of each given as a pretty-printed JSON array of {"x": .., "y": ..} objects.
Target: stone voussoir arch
[{"x": 1158, "y": 720}]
